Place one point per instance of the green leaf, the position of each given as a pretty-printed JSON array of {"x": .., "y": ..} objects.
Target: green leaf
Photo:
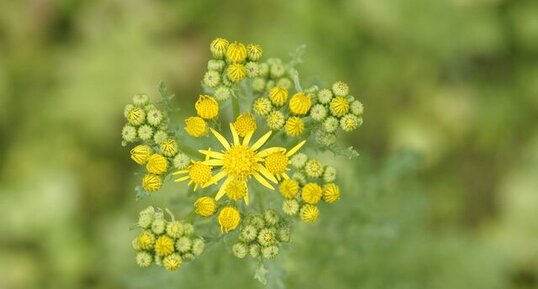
[{"x": 261, "y": 273}]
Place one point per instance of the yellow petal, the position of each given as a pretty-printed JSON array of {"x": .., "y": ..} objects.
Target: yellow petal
[
  {"x": 212, "y": 154},
  {"x": 286, "y": 177},
  {"x": 234, "y": 134},
  {"x": 295, "y": 148},
  {"x": 221, "y": 139},
  {"x": 267, "y": 174},
  {"x": 180, "y": 172},
  {"x": 215, "y": 179},
  {"x": 261, "y": 141},
  {"x": 247, "y": 138},
  {"x": 262, "y": 181},
  {"x": 182, "y": 179},
  {"x": 213, "y": 163},
  {"x": 246, "y": 199},
  {"x": 269, "y": 151},
  {"x": 221, "y": 191}
]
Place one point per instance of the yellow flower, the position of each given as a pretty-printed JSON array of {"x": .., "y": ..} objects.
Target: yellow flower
[
  {"x": 236, "y": 72},
  {"x": 245, "y": 124},
  {"x": 331, "y": 193},
  {"x": 309, "y": 213},
  {"x": 140, "y": 154},
  {"x": 157, "y": 164},
  {"x": 277, "y": 162},
  {"x": 278, "y": 95},
  {"x": 169, "y": 147},
  {"x": 152, "y": 182},
  {"x": 164, "y": 246},
  {"x": 254, "y": 52},
  {"x": 236, "y": 52},
  {"x": 236, "y": 189},
  {"x": 300, "y": 103},
  {"x": 229, "y": 219},
  {"x": 240, "y": 161},
  {"x": 196, "y": 126},
  {"x": 172, "y": 262},
  {"x": 289, "y": 188},
  {"x": 199, "y": 173},
  {"x": 207, "y": 107},
  {"x": 294, "y": 126},
  {"x": 205, "y": 206},
  {"x": 339, "y": 106},
  {"x": 218, "y": 47},
  {"x": 312, "y": 193},
  {"x": 146, "y": 240}
]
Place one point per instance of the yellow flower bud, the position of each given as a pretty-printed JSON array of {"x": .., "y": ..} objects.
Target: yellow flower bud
[
  {"x": 236, "y": 189},
  {"x": 140, "y": 154},
  {"x": 236, "y": 72},
  {"x": 312, "y": 193},
  {"x": 205, "y": 206},
  {"x": 151, "y": 182},
  {"x": 229, "y": 219},
  {"x": 278, "y": 95},
  {"x": 207, "y": 107},
  {"x": 309, "y": 213},
  {"x": 245, "y": 124},
  {"x": 157, "y": 164},
  {"x": 146, "y": 240},
  {"x": 218, "y": 47},
  {"x": 196, "y": 126},
  {"x": 294, "y": 126},
  {"x": 300, "y": 103},
  {"x": 339, "y": 106},
  {"x": 254, "y": 52},
  {"x": 164, "y": 245},
  {"x": 331, "y": 193},
  {"x": 289, "y": 188},
  {"x": 169, "y": 147},
  {"x": 236, "y": 52}
]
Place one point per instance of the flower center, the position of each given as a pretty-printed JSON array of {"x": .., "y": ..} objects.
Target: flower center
[
  {"x": 239, "y": 162},
  {"x": 200, "y": 173},
  {"x": 276, "y": 163}
]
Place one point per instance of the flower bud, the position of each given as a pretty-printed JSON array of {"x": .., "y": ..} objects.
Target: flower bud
[{"x": 140, "y": 154}]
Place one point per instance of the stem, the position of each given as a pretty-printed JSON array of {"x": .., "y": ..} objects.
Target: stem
[{"x": 235, "y": 106}]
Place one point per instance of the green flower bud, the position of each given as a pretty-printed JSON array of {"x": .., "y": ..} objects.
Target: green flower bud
[
  {"x": 212, "y": 78},
  {"x": 299, "y": 160},
  {"x": 290, "y": 207},
  {"x": 127, "y": 109},
  {"x": 284, "y": 82},
  {"x": 257, "y": 222},
  {"x": 216, "y": 65},
  {"x": 149, "y": 210},
  {"x": 172, "y": 262},
  {"x": 271, "y": 217},
  {"x": 350, "y": 122},
  {"x": 270, "y": 252},
  {"x": 325, "y": 138},
  {"x": 267, "y": 237},
  {"x": 140, "y": 100},
  {"x": 313, "y": 169},
  {"x": 144, "y": 259},
  {"x": 187, "y": 257},
  {"x": 330, "y": 124},
  {"x": 325, "y": 96},
  {"x": 174, "y": 229},
  {"x": 356, "y": 108},
  {"x": 251, "y": 69},
  {"x": 154, "y": 117},
  {"x": 254, "y": 250},
  {"x": 188, "y": 229},
  {"x": 329, "y": 175},
  {"x": 145, "y": 220},
  {"x": 254, "y": 52},
  {"x": 135, "y": 244},
  {"x": 262, "y": 106},
  {"x": 350, "y": 98},
  {"x": 258, "y": 84},
  {"x": 128, "y": 133},
  {"x": 299, "y": 177},
  {"x": 340, "y": 88},
  {"x": 160, "y": 136},
  {"x": 284, "y": 234},
  {"x": 181, "y": 161},
  {"x": 276, "y": 120},
  {"x": 248, "y": 233},
  {"x": 158, "y": 226},
  {"x": 239, "y": 250},
  {"x": 183, "y": 244},
  {"x": 223, "y": 93},
  {"x": 318, "y": 112},
  {"x": 269, "y": 84},
  {"x": 145, "y": 132},
  {"x": 263, "y": 69},
  {"x": 198, "y": 246},
  {"x": 277, "y": 70},
  {"x": 168, "y": 148}
]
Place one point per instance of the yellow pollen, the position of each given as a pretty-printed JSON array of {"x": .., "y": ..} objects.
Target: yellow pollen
[
  {"x": 239, "y": 161},
  {"x": 200, "y": 173},
  {"x": 276, "y": 163}
]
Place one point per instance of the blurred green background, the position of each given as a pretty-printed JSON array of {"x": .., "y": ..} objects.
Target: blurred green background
[{"x": 444, "y": 194}]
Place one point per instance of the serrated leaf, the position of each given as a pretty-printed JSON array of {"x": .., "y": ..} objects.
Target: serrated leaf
[{"x": 261, "y": 274}]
